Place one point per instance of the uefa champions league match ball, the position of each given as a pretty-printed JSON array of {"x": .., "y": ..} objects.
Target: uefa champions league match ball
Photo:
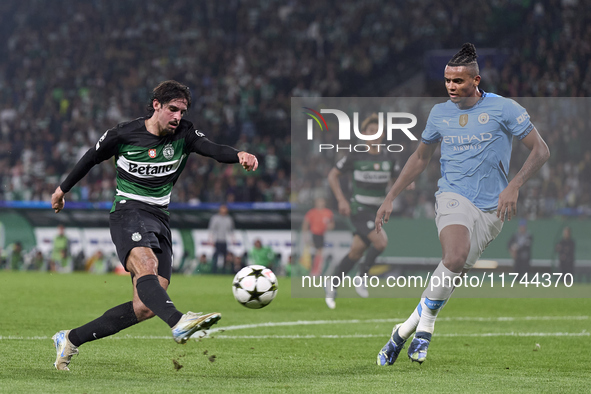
[{"x": 254, "y": 286}]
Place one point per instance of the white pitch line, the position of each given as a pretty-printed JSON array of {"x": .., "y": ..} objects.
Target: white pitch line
[
  {"x": 352, "y": 321},
  {"x": 448, "y": 335},
  {"x": 361, "y": 321},
  {"x": 479, "y": 335},
  {"x": 583, "y": 333}
]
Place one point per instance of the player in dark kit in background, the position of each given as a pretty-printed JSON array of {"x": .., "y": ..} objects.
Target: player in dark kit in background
[
  {"x": 150, "y": 154},
  {"x": 566, "y": 252},
  {"x": 520, "y": 245},
  {"x": 371, "y": 172}
]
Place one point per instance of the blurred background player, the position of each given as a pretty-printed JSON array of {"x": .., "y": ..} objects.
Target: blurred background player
[
  {"x": 15, "y": 259},
  {"x": 475, "y": 130},
  {"x": 97, "y": 263},
  {"x": 371, "y": 173},
  {"x": 150, "y": 153},
  {"x": 520, "y": 245},
  {"x": 317, "y": 222},
  {"x": 60, "y": 256},
  {"x": 566, "y": 252},
  {"x": 221, "y": 227},
  {"x": 261, "y": 255}
]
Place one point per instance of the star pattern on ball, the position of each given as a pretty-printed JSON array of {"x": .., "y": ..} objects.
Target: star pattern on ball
[
  {"x": 237, "y": 284},
  {"x": 255, "y": 294},
  {"x": 257, "y": 272}
]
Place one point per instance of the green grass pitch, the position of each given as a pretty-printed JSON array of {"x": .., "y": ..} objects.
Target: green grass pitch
[{"x": 479, "y": 345}]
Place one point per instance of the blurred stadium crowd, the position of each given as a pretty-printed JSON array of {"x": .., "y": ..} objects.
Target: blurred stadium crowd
[{"x": 71, "y": 70}]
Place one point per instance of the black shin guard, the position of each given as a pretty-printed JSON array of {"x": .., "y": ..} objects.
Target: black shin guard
[
  {"x": 111, "y": 322},
  {"x": 153, "y": 295}
]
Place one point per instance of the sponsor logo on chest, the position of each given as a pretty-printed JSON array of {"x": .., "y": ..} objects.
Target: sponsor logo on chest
[
  {"x": 371, "y": 176},
  {"x": 150, "y": 169}
]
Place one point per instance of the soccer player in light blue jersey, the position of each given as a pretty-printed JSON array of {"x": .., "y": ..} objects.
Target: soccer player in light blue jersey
[{"x": 475, "y": 130}]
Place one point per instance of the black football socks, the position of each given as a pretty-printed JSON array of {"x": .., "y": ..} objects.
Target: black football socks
[
  {"x": 111, "y": 322},
  {"x": 153, "y": 295},
  {"x": 370, "y": 259},
  {"x": 344, "y": 266}
]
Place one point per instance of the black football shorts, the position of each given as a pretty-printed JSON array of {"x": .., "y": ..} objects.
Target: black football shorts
[
  {"x": 318, "y": 241},
  {"x": 132, "y": 227},
  {"x": 364, "y": 223}
]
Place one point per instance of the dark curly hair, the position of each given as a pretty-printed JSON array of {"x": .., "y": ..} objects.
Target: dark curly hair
[{"x": 167, "y": 91}]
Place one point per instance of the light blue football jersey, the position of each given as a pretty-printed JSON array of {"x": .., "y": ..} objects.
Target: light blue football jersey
[{"x": 476, "y": 146}]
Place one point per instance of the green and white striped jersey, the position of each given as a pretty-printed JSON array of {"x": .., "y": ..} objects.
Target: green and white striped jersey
[
  {"x": 370, "y": 176},
  {"x": 148, "y": 165}
]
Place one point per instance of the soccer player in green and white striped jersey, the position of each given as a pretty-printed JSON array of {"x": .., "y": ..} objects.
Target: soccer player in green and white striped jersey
[
  {"x": 372, "y": 173},
  {"x": 150, "y": 153}
]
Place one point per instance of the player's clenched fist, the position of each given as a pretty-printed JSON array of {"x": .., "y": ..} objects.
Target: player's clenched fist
[
  {"x": 58, "y": 200},
  {"x": 248, "y": 161}
]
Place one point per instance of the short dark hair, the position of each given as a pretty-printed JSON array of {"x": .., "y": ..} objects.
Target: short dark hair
[
  {"x": 167, "y": 91},
  {"x": 466, "y": 57}
]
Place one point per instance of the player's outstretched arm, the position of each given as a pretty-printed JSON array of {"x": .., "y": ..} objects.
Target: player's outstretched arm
[
  {"x": 538, "y": 155},
  {"x": 84, "y": 165},
  {"x": 105, "y": 148},
  {"x": 222, "y": 153},
  {"x": 248, "y": 161},
  {"x": 58, "y": 200},
  {"x": 415, "y": 165}
]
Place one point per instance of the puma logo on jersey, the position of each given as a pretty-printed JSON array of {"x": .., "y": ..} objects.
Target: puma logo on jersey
[
  {"x": 446, "y": 121},
  {"x": 199, "y": 134}
]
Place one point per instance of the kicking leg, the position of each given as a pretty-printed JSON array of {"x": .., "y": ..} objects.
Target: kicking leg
[
  {"x": 149, "y": 294},
  {"x": 150, "y": 298}
]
